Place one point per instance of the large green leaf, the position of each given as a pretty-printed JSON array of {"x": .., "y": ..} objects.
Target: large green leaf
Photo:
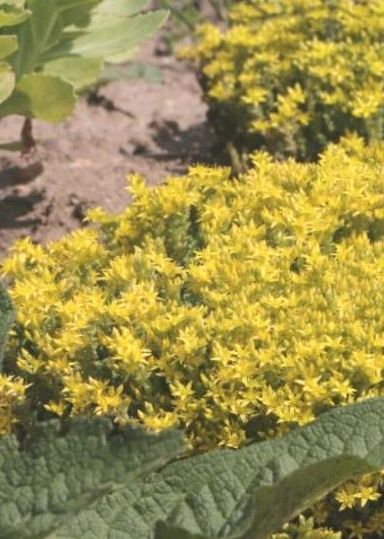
[
  {"x": 7, "y": 81},
  {"x": 41, "y": 96},
  {"x": 55, "y": 475},
  {"x": 110, "y": 10},
  {"x": 112, "y": 39},
  {"x": 244, "y": 494},
  {"x": 45, "y": 29},
  {"x": 78, "y": 71},
  {"x": 86, "y": 484},
  {"x": 7, "y": 317},
  {"x": 91, "y": 28}
]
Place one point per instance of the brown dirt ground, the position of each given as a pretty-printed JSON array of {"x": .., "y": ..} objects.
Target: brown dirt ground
[{"x": 83, "y": 162}]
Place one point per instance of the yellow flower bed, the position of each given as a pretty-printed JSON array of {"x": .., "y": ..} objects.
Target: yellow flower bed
[
  {"x": 236, "y": 308},
  {"x": 292, "y": 75}
]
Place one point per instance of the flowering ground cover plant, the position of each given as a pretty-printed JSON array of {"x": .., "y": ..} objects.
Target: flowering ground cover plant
[
  {"x": 51, "y": 49},
  {"x": 231, "y": 307},
  {"x": 292, "y": 75}
]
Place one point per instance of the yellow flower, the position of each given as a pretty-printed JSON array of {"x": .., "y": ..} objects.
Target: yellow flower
[
  {"x": 157, "y": 421},
  {"x": 230, "y": 307},
  {"x": 292, "y": 76}
]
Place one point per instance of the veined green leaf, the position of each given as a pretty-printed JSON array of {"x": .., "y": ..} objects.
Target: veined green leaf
[
  {"x": 54, "y": 475},
  {"x": 78, "y": 71},
  {"x": 114, "y": 39},
  {"x": 243, "y": 494},
  {"x": 45, "y": 29},
  {"x": 41, "y": 96},
  {"x": 8, "y": 45},
  {"x": 90, "y": 482},
  {"x": 111, "y": 11},
  {"x": 7, "y": 81}
]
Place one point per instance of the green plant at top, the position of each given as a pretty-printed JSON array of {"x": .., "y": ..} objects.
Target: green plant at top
[
  {"x": 52, "y": 49},
  {"x": 237, "y": 308},
  {"x": 85, "y": 479},
  {"x": 290, "y": 76}
]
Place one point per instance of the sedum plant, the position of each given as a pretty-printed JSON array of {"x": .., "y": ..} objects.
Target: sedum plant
[
  {"x": 290, "y": 76},
  {"x": 89, "y": 479},
  {"x": 235, "y": 308},
  {"x": 52, "y": 49}
]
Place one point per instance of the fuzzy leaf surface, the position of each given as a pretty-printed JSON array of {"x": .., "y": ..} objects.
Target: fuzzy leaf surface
[
  {"x": 243, "y": 494},
  {"x": 56, "y": 475}
]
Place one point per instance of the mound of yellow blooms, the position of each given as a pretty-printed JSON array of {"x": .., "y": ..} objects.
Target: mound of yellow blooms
[
  {"x": 236, "y": 308},
  {"x": 291, "y": 75}
]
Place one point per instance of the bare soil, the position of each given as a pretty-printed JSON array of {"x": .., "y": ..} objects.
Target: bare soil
[{"x": 158, "y": 130}]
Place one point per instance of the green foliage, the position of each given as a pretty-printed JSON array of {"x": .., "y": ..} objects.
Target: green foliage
[
  {"x": 86, "y": 479},
  {"x": 60, "y": 472},
  {"x": 290, "y": 76},
  {"x": 51, "y": 49}
]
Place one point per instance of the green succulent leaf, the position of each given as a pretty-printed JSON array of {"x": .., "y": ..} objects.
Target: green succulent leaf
[
  {"x": 121, "y": 36},
  {"x": 7, "y": 81},
  {"x": 56, "y": 474},
  {"x": 8, "y": 45},
  {"x": 46, "y": 29},
  {"x": 12, "y": 14},
  {"x": 89, "y": 483},
  {"x": 7, "y": 316},
  {"x": 113, "y": 10},
  {"x": 41, "y": 96},
  {"x": 58, "y": 47},
  {"x": 78, "y": 71}
]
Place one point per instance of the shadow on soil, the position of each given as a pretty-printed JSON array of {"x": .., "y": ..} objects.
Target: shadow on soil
[
  {"x": 16, "y": 175},
  {"x": 14, "y": 207},
  {"x": 197, "y": 144}
]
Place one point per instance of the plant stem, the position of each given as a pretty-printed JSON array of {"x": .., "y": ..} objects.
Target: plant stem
[
  {"x": 235, "y": 159},
  {"x": 28, "y": 142}
]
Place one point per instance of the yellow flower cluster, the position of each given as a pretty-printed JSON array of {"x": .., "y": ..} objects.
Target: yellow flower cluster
[
  {"x": 12, "y": 399},
  {"x": 291, "y": 75},
  {"x": 236, "y": 308}
]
